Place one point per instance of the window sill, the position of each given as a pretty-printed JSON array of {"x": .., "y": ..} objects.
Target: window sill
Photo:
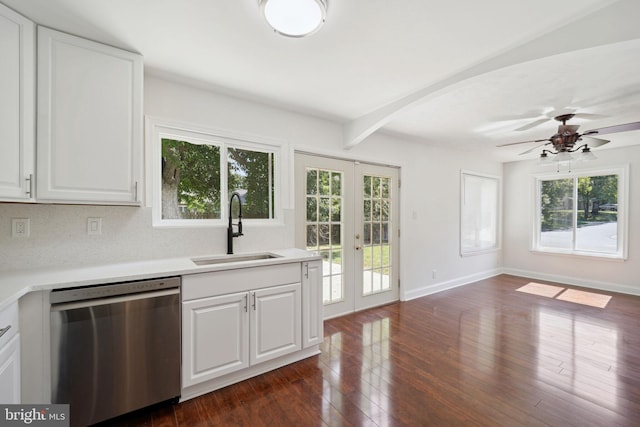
[
  {"x": 580, "y": 255},
  {"x": 467, "y": 253}
]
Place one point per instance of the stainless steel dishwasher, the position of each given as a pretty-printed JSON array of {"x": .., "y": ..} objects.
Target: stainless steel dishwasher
[{"x": 115, "y": 348}]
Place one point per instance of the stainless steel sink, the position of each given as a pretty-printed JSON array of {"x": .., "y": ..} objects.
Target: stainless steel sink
[{"x": 232, "y": 258}]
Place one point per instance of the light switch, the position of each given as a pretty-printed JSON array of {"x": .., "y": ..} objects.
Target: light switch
[{"x": 94, "y": 225}]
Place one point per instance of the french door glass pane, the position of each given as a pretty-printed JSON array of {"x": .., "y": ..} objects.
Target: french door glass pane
[
  {"x": 324, "y": 206},
  {"x": 376, "y": 217}
]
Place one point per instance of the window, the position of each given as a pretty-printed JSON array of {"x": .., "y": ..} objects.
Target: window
[
  {"x": 195, "y": 172},
  {"x": 479, "y": 216},
  {"x": 581, "y": 213}
]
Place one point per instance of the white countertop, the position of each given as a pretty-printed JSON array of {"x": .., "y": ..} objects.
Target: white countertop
[{"x": 16, "y": 283}]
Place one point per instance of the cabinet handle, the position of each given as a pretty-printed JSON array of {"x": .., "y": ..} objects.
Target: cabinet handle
[
  {"x": 135, "y": 192},
  {"x": 254, "y": 301},
  {"x": 246, "y": 303},
  {"x": 30, "y": 179},
  {"x": 4, "y": 330},
  {"x": 306, "y": 272}
]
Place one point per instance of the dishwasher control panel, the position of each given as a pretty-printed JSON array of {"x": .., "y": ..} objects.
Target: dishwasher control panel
[{"x": 112, "y": 289}]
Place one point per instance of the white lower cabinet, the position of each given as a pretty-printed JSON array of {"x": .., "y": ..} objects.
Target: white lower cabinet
[
  {"x": 313, "y": 316},
  {"x": 10, "y": 371},
  {"x": 216, "y": 337},
  {"x": 243, "y": 322},
  {"x": 275, "y": 322},
  {"x": 228, "y": 333},
  {"x": 9, "y": 355}
]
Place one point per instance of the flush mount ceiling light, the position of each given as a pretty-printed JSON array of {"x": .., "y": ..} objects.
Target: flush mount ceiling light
[{"x": 294, "y": 18}]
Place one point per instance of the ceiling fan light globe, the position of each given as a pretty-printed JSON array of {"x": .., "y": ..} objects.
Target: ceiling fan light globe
[
  {"x": 563, "y": 156},
  {"x": 545, "y": 160},
  {"x": 586, "y": 155}
]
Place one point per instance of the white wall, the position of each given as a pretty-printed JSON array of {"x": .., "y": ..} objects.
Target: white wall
[
  {"x": 429, "y": 199},
  {"x": 586, "y": 271}
]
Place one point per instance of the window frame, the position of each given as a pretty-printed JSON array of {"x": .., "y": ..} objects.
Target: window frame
[
  {"x": 161, "y": 129},
  {"x": 498, "y": 213},
  {"x": 622, "y": 224}
]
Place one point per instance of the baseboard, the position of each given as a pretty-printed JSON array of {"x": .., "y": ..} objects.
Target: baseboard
[
  {"x": 568, "y": 280},
  {"x": 450, "y": 284}
]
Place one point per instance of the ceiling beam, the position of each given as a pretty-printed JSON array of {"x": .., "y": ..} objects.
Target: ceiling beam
[{"x": 614, "y": 22}]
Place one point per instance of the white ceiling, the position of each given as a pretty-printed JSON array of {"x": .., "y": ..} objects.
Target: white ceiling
[{"x": 462, "y": 74}]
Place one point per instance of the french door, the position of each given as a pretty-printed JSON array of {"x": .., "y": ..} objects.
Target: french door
[{"x": 348, "y": 213}]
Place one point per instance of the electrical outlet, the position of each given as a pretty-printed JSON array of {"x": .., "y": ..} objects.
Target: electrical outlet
[
  {"x": 433, "y": 274},
  {"x": 20, "y": 227},
  {"x": 94, "y": 225}
]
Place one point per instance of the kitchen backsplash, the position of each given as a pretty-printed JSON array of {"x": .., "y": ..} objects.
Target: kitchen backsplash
[{"x": 58, "y": 236}]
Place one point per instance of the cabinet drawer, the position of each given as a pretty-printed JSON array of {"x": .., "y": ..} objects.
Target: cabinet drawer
[
  {"x": 202, "y": 285},
  {"x": 8, "y": 319}
]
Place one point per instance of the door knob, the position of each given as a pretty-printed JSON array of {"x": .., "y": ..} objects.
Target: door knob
[{"x": 357, "y": 248}]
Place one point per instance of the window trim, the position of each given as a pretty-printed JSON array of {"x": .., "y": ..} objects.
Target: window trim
[
  {"x": 498, "y": 213},
  {"x": 159, "y": 129},
  {"x": 622, "y": 171}
]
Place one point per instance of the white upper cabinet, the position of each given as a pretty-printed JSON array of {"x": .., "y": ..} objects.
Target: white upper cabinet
[
  {"x": 89, "y": 121},
  {"x": 17, "y": 109}
]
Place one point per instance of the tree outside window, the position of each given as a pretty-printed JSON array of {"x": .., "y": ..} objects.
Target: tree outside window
[
  {"x": 193, "y": 180},
  {"x": 579, "y": 214}
]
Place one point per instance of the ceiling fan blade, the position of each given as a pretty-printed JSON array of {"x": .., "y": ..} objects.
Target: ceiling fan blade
[
  {"x": 590, "y": 116},
  {"x": 614, "y": 129},
  {"x": 532, "y": 149},
  {"x": 522, "y": 142},
  {"x": 532, "y": 124},
  {"x": 594, "y": 142}
]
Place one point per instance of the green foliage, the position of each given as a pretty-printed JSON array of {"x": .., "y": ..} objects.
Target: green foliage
[
  {"x": 556, "y": 201},
  {"x": 194, "y": 171},
  {"x": 252, "y": 171},
  {"x": 192, "y": 174}
]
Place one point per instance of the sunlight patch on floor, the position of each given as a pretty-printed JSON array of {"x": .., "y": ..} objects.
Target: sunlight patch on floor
[
  {"x": 534, "y": 288},
  {"x": 585, "y": 298},
  {"x": 571, "y": 295}
]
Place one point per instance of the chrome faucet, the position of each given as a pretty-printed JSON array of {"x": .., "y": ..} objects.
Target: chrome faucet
[{"x": 230, "y": 233}]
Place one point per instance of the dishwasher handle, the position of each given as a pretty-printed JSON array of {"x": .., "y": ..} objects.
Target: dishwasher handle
[{"x": 113, "y": 300}]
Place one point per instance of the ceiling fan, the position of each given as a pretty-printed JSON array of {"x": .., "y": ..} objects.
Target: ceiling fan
[
  {"x": 540, "y": 121},
  {"x": 567, "y": 139}
]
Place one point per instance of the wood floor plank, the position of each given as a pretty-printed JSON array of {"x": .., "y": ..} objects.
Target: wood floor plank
[{"x": 479, "y": 355}]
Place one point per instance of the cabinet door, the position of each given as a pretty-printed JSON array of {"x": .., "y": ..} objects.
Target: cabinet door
[
  {"x": 215, "y": 337},
  {"x": 275, "y": 322},
  {"x": 17, "y": 109},
  {"x": 10, "y": 371},
  {"x": 89, "y": 121},
  {"x": 312, "y": 316}
]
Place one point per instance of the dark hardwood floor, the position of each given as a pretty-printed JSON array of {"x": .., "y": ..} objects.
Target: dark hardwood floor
[{"x": 479, "y": 355}]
